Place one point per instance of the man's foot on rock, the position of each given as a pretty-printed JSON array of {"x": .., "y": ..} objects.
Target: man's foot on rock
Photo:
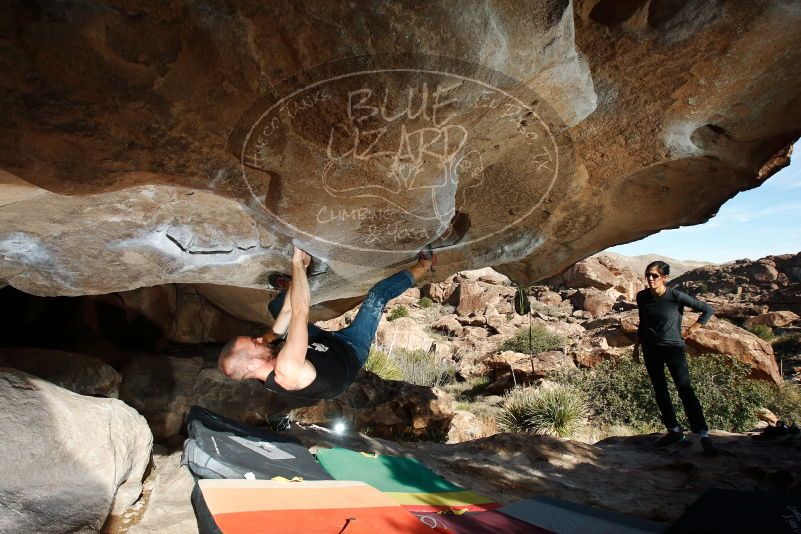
[
  {"x": 280, "y": 281},
  {"x": 457, "y": 229},
  {"x": 672, "y": 437},
  {"x": 427, "y": 254}
]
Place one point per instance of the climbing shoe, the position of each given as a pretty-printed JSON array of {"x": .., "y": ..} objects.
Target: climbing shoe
[
  {"x": 457, "y": 229},
  {"x": 670, "y": 438},
  {"x": 428, "y": 254}
]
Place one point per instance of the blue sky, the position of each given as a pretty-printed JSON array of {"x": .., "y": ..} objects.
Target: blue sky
[{"x": 754, "y": 224}]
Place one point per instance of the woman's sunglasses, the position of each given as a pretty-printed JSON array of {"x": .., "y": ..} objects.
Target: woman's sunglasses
[{"x": 652, "y": 275}]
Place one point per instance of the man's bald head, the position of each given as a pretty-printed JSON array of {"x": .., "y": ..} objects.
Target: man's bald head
[{"x": 246, "y": 357}]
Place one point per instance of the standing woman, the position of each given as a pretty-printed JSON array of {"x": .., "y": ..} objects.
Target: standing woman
[{"x": 661, "y": 309}]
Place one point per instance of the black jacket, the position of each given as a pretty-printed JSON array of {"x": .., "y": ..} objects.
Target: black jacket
[{"x": 660, "y": 317}]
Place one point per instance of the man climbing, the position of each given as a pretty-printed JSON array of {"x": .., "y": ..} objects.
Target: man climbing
[{"x": 297, "y": 360}]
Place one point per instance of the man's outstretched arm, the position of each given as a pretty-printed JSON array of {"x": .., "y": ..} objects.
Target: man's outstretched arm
[
  {"x": 291, "y": 362},
  {"x": 281, "y": 323}
]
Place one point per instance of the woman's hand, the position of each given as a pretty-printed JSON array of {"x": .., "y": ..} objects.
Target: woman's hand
[{"x": 689, "y": 331}]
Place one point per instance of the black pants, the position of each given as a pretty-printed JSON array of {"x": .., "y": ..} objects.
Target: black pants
[{"x": 655, "y": 360}]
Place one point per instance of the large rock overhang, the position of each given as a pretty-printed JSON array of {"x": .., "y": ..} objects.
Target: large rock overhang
[{"x": 144, "y": 145}]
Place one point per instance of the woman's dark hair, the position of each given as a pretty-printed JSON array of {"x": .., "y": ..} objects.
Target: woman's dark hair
[{"x": 661, "y": 266}]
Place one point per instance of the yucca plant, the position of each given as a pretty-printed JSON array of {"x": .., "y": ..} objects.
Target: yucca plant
[{"x": 558, "y": 411}]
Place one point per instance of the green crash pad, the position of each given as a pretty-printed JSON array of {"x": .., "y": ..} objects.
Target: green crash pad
[{"x": 395, "y": 474}]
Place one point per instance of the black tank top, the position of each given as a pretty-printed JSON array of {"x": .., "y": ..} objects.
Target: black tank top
[{"x": 336, "y": 367}]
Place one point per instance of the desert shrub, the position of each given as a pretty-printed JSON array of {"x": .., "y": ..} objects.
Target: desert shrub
[
  {"x": 762, "y": 331},
  {"x": 557, "y": 411},
  {"x": 380, "y": 363},
  {"x": 516, "y": 410},
  {"x": 425, "y": 302},
  {"x": 424, "y": 369},
  {"x": 431, "y": 434},
  {"x": 620, "y": 392},
  {"x": 413, "y": 366},
  {"x": 478, "y": 384},
  {"x": 472, "y": 388},
  {"x": 786, "y": 402},
  {"x": 541, "y": 340},
  {"x": 489, "y": 423},
  {"x": 703, "y": 288},
  {"x": 730, "y": 399},
  {"x": 787, "y": 345},
  {"x": 397, "y": 313}
]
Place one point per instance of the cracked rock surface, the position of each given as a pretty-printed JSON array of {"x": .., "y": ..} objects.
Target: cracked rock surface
[{"x": 144, "y": 145}]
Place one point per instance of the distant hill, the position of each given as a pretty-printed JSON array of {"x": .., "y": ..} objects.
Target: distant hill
[{"x": 638, "y": 263}]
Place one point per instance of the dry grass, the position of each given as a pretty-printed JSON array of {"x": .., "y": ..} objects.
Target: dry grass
[
  {"x": 540, "y": 339},
  {"x": 380, "y": 363},
  {"x": 419, "y": 367},
  {"x": 413, "y": 366}
]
